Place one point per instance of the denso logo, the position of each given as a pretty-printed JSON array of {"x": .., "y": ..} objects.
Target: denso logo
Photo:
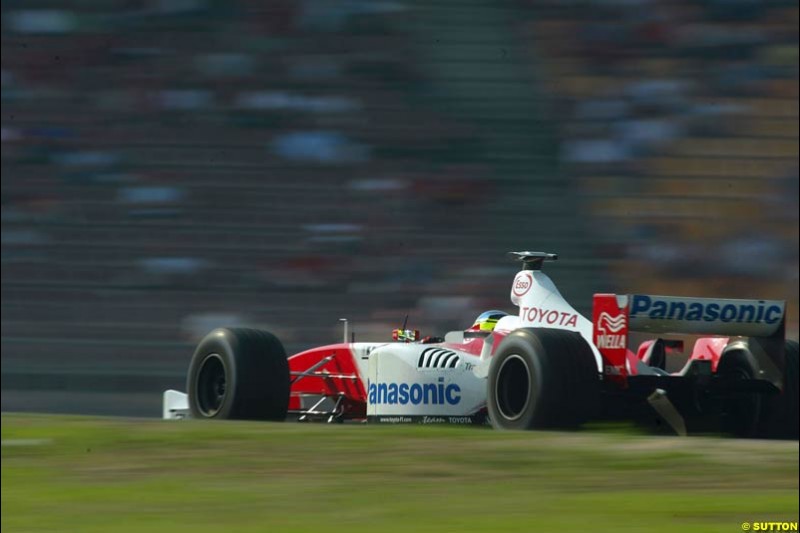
[
  {"x": 416, "y": 393},
  {"x": 677, "y": 309},
  {"x": 522, "y": 284},
  {"x": 548, "y": 316}
]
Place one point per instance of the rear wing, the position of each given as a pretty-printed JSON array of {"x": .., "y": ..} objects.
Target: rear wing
[{"x": 614, "y": 316}]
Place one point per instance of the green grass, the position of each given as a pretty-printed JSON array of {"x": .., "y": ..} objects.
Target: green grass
[{"x": 106, "y": 475}]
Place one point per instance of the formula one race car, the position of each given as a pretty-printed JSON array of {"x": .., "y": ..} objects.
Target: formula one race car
[{"x": 547, "y": 367}]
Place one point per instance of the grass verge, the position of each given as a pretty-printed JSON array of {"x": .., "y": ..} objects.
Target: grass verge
[{"x": 62, "y": 473}]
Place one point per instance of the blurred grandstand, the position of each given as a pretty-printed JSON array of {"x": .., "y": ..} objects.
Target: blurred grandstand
[{"x": 169, "y": 166}]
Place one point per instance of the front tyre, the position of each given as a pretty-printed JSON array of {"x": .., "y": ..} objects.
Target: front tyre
[
  {"x": 239, "y": 373},
  {"x": 542, "y": 378}
]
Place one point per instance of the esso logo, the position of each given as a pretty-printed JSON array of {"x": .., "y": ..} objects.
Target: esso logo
[{"x": 522, "y": 284}]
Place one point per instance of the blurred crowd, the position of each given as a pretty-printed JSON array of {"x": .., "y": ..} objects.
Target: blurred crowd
[
  {"x": 679, "y": 123},
  {"x": 171, "y": 165}
]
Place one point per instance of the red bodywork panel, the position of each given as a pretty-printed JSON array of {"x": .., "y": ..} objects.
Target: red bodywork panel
[
  {"x": 610, "y": 335},
  {"x": 344, "y": 378},
  {"x": 471, "y": 346},
  {"x": 642, "y": 351},
  {"x": 474, "y": 346},
  {"x": 709, "y": 348},
  {"x": 704, "y": 349}
]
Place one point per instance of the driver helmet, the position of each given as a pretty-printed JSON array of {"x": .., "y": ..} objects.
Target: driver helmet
[{"x": 485, "y": 323}]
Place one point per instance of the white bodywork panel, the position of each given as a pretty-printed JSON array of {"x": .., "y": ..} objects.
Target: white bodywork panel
[
  {"x": 423, "y": 380},
  {"x": 175, "y": 405},
  {"x": 542, "y": 306},
  {"x": 361, "y": 354}
]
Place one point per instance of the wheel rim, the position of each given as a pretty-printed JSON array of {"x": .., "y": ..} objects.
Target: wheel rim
[
  {"x": 512, "y": 393},
  {"x": 211, "y": 386}
]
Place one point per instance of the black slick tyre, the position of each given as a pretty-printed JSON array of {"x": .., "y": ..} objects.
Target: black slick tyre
[
  {"x": 542, "y": 378},
  {"x": 780, "y": 412},
  {"x": 239, "y": 373},
  {"x": 741, "y": 414}
]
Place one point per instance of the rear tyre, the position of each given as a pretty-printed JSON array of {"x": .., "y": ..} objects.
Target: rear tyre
[
  {"x": 740, "y": 414},
  {"x": 780, "y": 412},
  {"x": 239, "y": 373},
  {"x": 790, "y": 391},
  {"x": 542, "y": 378}
]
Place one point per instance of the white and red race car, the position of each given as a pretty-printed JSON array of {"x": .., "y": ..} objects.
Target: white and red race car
[{"x": 546, "y": 367}]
